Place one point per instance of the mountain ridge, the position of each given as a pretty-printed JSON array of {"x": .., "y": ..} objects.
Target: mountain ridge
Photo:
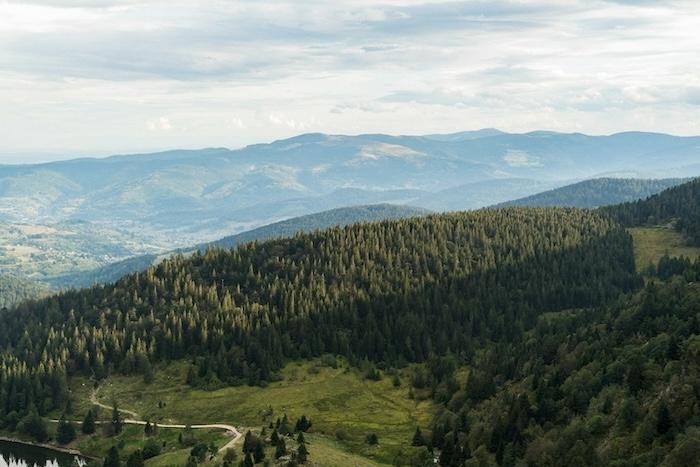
[{"x": 596, "y": 192}]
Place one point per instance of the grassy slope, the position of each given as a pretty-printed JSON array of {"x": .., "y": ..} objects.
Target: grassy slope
[
  {"x": 132, "y": 438},
  {"x": 334, "y": 399},
  {"x": 651, "y": 243}
]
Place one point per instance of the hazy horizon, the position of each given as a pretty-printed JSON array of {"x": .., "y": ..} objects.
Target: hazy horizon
[{"x": 28, "y": 157}]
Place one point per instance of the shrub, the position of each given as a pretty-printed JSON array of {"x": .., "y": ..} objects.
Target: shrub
[{"x": 151, "y": 448}]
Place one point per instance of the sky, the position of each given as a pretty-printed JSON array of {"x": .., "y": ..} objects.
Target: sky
[{"x": 98, "y": 77}]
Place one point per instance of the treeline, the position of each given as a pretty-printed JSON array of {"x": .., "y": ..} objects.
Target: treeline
[
  {"x": 612, "y": 386},
  {"x": 679, "y": 205},
  {"x": 394, "y": 291}
]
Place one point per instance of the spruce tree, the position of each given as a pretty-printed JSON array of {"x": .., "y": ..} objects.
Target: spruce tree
[
  {"x": 664, "y": 422},
  {"x": 88, "y": 426},
  {"x": 281, "y": 449},
  {"x": 117, "y": 423},
  {"x": 112, "y": 459},
  {"x": 65, "y": 433},
  {"x": 248, "y": 442},
  {"x": 418, "y": 439},
  {"x": 258, "y": 452},
  {"x": 302, "y": 453}
]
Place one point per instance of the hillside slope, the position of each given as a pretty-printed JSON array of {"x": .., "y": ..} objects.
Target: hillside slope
[
  {"x": 679, "y": 206},
  {"x": 344, "y": 290},
  {"x": 14, "y": 290},
  {"x": 613, "y": 386},
  {"x": 597, "y": 192}
]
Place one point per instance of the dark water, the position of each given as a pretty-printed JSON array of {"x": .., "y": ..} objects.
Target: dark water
[{"x": 22, "y": 455}]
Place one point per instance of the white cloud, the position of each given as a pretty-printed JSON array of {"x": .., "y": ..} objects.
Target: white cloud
[{"x": 87, "y": 74}]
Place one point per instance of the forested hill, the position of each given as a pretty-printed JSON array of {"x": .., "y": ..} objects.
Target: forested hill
[
  {"x": 285, "y": 228},
  {"x": 14, "y": 290},
  {"x": 613, "y": 386},
  {"x": 597, "y": 192},
  {"x": 679, "y": 205},
  {"x": 393, "y": 291}
]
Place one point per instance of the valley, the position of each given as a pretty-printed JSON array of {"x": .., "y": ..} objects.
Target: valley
[{"x": 42, "y": 253}]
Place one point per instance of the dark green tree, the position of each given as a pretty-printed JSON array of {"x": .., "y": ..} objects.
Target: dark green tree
[
  {"x": 65, "y": 432},
  {"x": 258, "y": 452},
  {"x": 112, "y": 459},
  {"x": 88, "y": 426},
  {"x": 418, "y": 439},
  {"x": 135, "y": 459},
  {"x": 302, "y": 453},
  {"x": 281, "y": 449},
  {"x": 117, "y": 422}
]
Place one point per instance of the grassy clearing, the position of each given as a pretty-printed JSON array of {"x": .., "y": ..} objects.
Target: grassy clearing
[
  {"x": 651, "y": 243},
  {"x": 343, "y": 407},
  {"x": 333, "y": 454},
  {"x": 132, "y": 438}
]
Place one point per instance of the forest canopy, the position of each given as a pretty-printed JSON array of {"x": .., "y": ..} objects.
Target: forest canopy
[{"x": 393, "y": 291}]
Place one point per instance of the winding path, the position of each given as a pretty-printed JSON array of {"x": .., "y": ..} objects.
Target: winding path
[
  {"x": 95, "y": 401},
  {"x": 230, "y": 429}
]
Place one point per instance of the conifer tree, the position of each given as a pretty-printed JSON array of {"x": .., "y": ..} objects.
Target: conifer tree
[
  {"x": 65, "y": 432},
  {"x": 88, "y": 426},
  {"x": 258, "y": 452},
  {"x": 117, "y": 422},
  {"x": 281, "y": 449},
  {"x": 135, "y": 459},
  {"x": 112, "y": 459},
  {"x": 302, "y": 453},
  {"x": 418, "y": 439}
]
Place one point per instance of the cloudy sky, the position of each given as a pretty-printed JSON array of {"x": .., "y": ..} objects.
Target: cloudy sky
[{"x": 100, "y": 76}]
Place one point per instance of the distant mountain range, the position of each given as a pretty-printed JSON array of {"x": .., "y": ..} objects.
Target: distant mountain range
[
  {"x": 287, "y": 228},
  {"x": 597, "y": 192},
  {"x": 185, "y": 197}
]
